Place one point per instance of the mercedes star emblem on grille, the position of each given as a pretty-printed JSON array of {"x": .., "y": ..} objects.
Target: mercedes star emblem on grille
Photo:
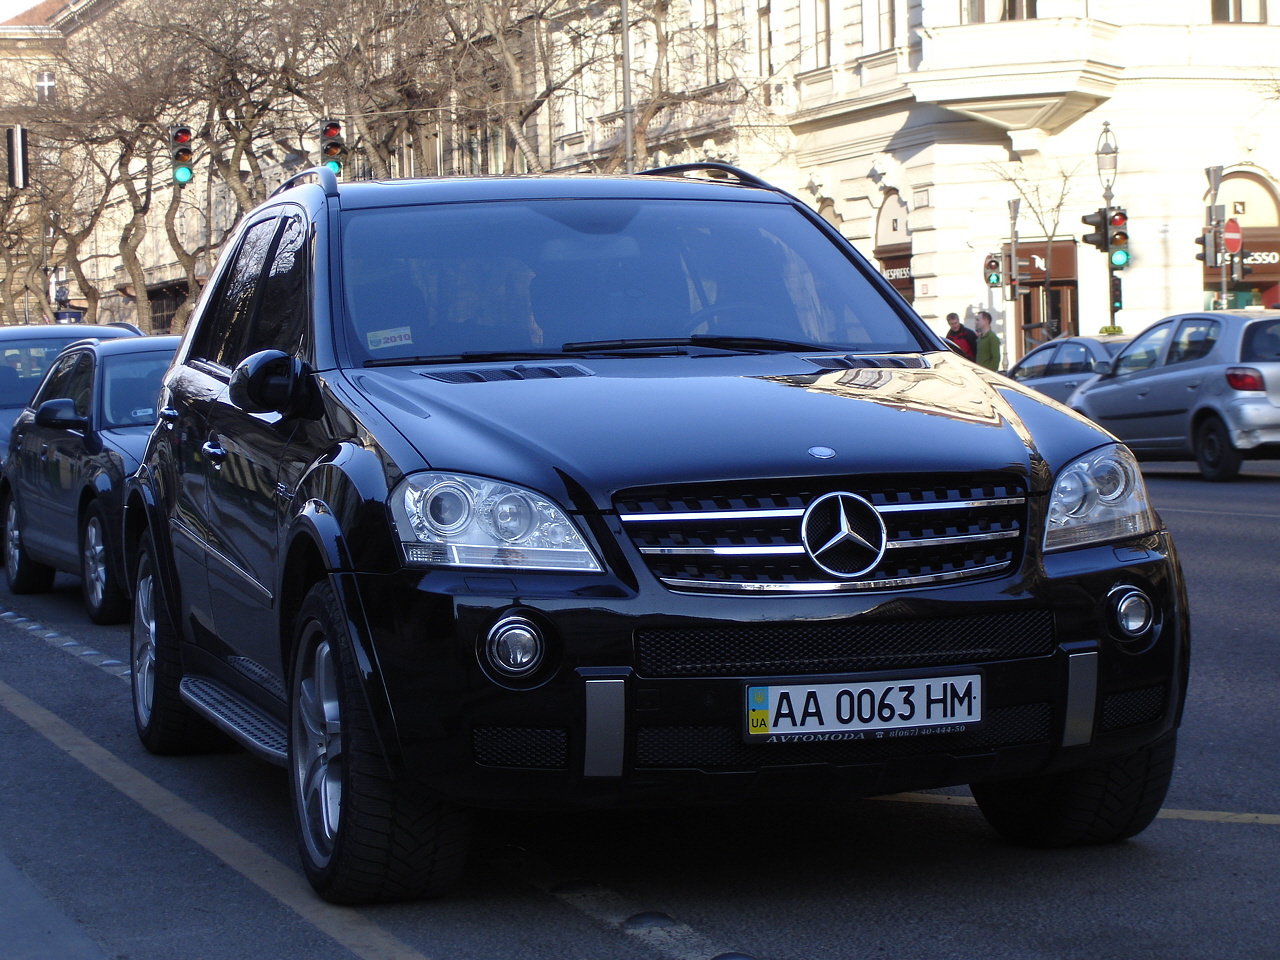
[{"x": 843, "y": 534}]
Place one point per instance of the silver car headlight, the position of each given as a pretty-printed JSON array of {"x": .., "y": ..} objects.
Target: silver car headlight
[
  {"x": 1097, "y": 498},
  {"x": 456, "y": 520}
]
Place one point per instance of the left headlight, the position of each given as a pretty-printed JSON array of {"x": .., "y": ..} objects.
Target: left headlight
[
  {"x": 1097, "y": 498},
  {"x": 456, "y": 520}
]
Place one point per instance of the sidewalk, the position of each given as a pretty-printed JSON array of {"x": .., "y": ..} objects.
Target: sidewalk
[{"x": 32, "y": 928}]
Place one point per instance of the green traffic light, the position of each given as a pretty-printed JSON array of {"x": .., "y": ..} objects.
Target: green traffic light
[
  {"x": 182, "y": 175},
  {"x": 335, "y": 166},
  {"x": 993, "y": 279},
  {"x": 1119, "y": 258}
]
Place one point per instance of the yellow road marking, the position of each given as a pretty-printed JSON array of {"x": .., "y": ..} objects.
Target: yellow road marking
[
  {"x": 348, "y": 927},
  {"x": 1211, "y": 816}
]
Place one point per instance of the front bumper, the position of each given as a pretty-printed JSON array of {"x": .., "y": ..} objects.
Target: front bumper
[{"x": 641, "y": 698}]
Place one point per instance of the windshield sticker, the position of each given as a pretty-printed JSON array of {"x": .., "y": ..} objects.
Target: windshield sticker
[{"x": 379, "y": 339}]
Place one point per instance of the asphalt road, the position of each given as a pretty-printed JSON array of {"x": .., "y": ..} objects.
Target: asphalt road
[{"x": 108, "y": 852}]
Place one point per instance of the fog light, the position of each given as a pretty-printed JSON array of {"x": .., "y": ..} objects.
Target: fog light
[
  {"x": 514, "y": 647},
  {"x": 1134, "y": 612}
]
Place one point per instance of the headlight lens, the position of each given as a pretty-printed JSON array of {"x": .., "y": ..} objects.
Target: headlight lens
[
  {"x": 457, "y": 520},
  {"x": 1097, "y": 498}
]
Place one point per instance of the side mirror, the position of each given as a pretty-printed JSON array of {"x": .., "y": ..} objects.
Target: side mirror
[
  {"x": 274, "y": 382},
  {"x": 956, "y": 348},
  {"x": 1103, "y": 368},
  {"x": 61, "y": 414}
]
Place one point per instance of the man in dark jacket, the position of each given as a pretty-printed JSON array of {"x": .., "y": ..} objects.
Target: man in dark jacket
[{"x": 962, "y": 336}]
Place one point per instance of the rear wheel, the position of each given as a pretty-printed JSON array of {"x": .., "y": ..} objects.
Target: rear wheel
[
  {"x": 1216, "y": 455},
  {"x": 104, "y": 596},
  {"x": 165, "y": 723},
  {"x": 25, "y": 575},
  {"x": 1104, "y": 803},
  {"x": 364, "y": 837}
]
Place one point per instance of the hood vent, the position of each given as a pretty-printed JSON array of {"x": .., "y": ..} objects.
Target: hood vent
[
  {"x": 560, "y": 371},
  {"x": 909, "y": 361}
]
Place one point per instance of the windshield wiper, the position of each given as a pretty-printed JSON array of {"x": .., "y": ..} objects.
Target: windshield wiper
[
  {"x": 474, "y": 356},
  {"x": 726, "y": 342}
]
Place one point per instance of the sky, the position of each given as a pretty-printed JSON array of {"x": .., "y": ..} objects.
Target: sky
[{"x": 11, "y": 8}]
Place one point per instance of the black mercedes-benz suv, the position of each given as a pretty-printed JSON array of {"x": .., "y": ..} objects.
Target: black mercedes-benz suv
[{"x": 556, "y": 491}]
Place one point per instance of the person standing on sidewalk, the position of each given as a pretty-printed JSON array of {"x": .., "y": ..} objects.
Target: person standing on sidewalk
[
  {"x": 962, "y": 336},
  {"x": 988, "y": 343}
]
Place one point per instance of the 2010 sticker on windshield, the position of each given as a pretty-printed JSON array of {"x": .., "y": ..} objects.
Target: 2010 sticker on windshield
[{"x": 381, "y": 339}]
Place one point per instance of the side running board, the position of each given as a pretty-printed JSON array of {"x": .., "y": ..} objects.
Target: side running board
[{"x": 249, "y": 725}]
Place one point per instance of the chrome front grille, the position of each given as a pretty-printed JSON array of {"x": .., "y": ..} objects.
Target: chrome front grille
[{"x": 747, "y": 537}]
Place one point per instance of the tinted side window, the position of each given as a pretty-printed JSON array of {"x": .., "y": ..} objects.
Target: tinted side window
[
  {"x": 1194, "y": 339},
  {"x": 223, "y": 327},
  {"x": 1261, "y": 342},
  {"x": 1071, "y": 358},
  {"x": 55, "y": 385},
  {"x": 1034, "y": 364},
  {"x": 1144, "y": 353},
  {"x": 280, "y": 321},
  {"x": 79, "y": 384}
]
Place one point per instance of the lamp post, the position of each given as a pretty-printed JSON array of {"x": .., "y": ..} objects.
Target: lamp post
[
  {"x": 1106, "y": 155},
  {"x": 628, "y": 111}
]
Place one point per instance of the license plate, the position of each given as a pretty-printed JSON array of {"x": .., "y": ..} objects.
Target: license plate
[{"x": 861, "y": 709}]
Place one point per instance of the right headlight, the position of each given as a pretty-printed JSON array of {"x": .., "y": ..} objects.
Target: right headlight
[
  {"x": 1097, "y": 498},
  {"x": 457, "y": 520}
]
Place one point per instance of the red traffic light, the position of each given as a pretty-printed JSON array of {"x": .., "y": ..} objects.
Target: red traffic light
[
  {"x": 1118, "y": 218},
  {"x": 332, "y": 128},
  {"x": 180, "y": 135}
]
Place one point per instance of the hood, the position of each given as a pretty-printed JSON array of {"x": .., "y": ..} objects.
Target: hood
[
  {"x": 129, "y": 442},
  {"x": 612, "y": 424}
]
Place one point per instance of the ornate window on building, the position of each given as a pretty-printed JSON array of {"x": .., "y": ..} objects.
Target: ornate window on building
[
  {"x": 1239, "y": 11},
  {"x": 46, "y": 87},
  {"x": 992, "y": 11}
]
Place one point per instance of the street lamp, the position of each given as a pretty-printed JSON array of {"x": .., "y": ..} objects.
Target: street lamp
[{"x": 1106, "y": 155}]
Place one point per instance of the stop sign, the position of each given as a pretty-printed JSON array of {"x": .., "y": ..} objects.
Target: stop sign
[{"x": 1232, "y": 238}]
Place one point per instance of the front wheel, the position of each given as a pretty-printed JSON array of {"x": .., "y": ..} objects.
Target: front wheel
[
  {"x": 1216, "y": 455},
  {"x": 104, "y": 595},
  {"x": 1104, "y": 803},
  {"x": 364, "y": 837}
]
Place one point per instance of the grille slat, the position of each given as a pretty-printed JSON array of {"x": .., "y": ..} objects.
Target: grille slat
[{"x": 746, "y": 538}]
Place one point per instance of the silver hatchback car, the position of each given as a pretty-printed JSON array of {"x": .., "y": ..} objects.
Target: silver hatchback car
[{"x": 1202, "y": 386}]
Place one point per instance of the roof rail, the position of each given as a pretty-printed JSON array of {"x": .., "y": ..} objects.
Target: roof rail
[
  {"x": 326, "y": 176},
  {"x": 711, "y": 168}
]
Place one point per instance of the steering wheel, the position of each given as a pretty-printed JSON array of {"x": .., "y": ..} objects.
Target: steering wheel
[{"x": 723, "y": 311}]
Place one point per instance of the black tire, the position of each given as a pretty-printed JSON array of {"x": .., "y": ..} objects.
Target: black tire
[
  {"x": 1105, "y": 803},
  {"x": 1216, "y": 455},
  {"x": 24, "y": 574},
  {"x": 165, "y": 723},
  {"x": 364, "y": 837},
  {"x": 104, "y": 595}
]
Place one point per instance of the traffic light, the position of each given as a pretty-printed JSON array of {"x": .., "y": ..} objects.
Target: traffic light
[
  {"x": 1118, "y": 239},
  {"x": 1208, "y": 241},
  {"x": 180, "y": 144},
  {"x": 1117, "y": 293},
  {"x": 1240, "y": 269},
  {"x": 1097, "y": 220},
  {"x": 333, "y": 149},
  {"x": 993, "y": 270}
]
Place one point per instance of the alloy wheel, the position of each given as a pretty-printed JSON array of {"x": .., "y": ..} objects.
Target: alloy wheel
[
  {"x": 12, "y": 540},
  {"x": 318, "y": 761},
  {"x": 144, "y": 647},
  {"x": 94, "y": 561}
]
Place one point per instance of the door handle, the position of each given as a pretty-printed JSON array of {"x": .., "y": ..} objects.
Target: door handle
[
  {"x": 168, "y": 416},
  {"x": 214, "y": 452}
]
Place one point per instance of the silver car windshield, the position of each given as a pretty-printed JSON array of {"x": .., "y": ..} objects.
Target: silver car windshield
[{"x": 464, "y": 278}]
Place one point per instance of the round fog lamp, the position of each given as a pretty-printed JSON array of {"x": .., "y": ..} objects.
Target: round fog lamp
[
  {"x": 1134, "y": 613},
  {"x": 514, "y": 647}
]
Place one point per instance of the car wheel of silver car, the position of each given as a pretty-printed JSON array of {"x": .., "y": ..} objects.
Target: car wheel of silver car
[
  {"x": 364, "y": 836},
  {"x": 1216, "y": 455},
  {"x": 25, "y": 575},
  {"x": 104, "y": 596},
  {"x": 165, "y": 723},
  {"x": 1104, "y": 803}
]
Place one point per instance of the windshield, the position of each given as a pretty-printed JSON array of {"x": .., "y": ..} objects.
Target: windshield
[
  {"x": 25, "y": 363},
  {"x": 532, "y": 276},
  {"x": 130, "y": 387}
]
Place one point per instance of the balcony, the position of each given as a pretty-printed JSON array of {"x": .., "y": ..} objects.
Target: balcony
[{"x": 1071, "y": 65}]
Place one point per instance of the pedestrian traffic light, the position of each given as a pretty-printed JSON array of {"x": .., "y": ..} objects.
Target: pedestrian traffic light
[
  {"x": 993, "y": 270},
  {"x": 1118, "y": 239},
  {"x": 1239, "y": 268},
  {"x": 1208, "y": 241},
  {"x": 1097, "y": 220},
  {"x": 1117, "y": 293},
  {"x": 333, "y": 149},
  {"x": 181, "y": 140}
]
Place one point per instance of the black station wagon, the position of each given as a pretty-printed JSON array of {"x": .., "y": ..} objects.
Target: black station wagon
[{"x": 607, "y": 491}]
